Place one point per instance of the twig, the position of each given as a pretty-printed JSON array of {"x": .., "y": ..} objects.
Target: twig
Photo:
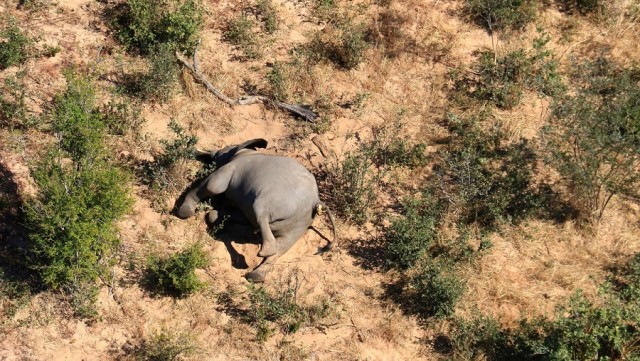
[{"x": 299, "y": 110}]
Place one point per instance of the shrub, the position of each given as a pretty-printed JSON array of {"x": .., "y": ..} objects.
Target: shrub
[
  {"x": 121, "y": 117},
  {"x": 175, "y": 275},
  {"x": 158, "y": 81},
  {"x": 278, "y": 78},
  {"x": 486, "y": 179},
  {"x": 144, "y": 25},
  {"x": 71, "y": 231},
  {"x": 13, "y": 108},
  {"x": 157, "y": 173},
  {"x": 581, "y": 330},
  {"x": 354, "y": 182},
  {"x": 344, "y": 45},
  {"x": 503, "y": 79},
  {"x": 79, "y": 127},
  {"x": 389, "y": 150},
  {"x": 410, "y": 236},
  {"x": 435, "y": 288},
  {"x": 15, "y": 47},
  {"x": 239, "y": 32},
  {"x": 497, "y": 15},
  {"x": 593, "y": 137}
]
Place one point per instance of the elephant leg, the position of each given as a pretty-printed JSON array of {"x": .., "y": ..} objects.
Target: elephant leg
[
  {"x": 269, "y": 245},
  {"x": 214, "y": 184},
  {"x": 259, "y": 274},
  {"x": 283, "y": 244}
]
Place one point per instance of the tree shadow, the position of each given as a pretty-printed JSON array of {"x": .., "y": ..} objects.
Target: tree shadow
[
  {"x": 16, "y": 279},
  {"x": 368, "y": 253}
]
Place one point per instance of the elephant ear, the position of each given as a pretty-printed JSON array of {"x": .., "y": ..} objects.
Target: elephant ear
[{"x": 253, "y": 144}]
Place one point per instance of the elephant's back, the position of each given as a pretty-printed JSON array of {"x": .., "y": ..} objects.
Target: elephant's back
[{"x": 279, "y": 181}]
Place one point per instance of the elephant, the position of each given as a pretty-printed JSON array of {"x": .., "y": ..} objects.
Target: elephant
[{"x": 277, "y": 195}]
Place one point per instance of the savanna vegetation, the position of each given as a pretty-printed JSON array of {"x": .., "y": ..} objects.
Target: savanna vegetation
[{"x": 482, "y": 158}]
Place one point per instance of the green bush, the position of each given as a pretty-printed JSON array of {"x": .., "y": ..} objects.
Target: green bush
[
  {"x": 78, "y": 125},
  {"x": 144, "y": 25},
  {"x": 121, "y": 117},
  {"x": 283, "y": 309},
  {"x": 593, "y": 136},
  {"x": 354, "y": 182},
  {"x": 486, "y": 179},
  {"x": 498, "y": 15},
  {"x": 71, "y": 223},
  {"x": 502, "y": 80},
  {"x": 435, "y": 288},
  {"x": 278, "y": 79},
  {"x": 581, "y": 330},
  {"x": 410, "y": 236},
  {"x": 175, "y": 275},
  {"x": 157, "y": 173},
  {"x": 158, "y": 81},
  {"x": 15, "y": 47}
]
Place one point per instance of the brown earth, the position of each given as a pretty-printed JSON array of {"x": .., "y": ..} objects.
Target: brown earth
[{"x": 530, "y": 269}]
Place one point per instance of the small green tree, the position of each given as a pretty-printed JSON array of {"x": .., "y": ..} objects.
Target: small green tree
[{"x": 593, "y": 136}]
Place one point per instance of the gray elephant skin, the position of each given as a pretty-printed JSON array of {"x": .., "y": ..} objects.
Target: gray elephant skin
[{"x": 278, "y": 195}]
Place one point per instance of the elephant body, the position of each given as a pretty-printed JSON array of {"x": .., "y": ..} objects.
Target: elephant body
[{"x": 276, "y": 194}]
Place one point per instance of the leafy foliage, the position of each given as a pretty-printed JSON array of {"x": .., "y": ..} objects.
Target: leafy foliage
[
  {"x": 344, "y": 43},
  {"x": 502, "y": 80},
  {"x": 71, "y": 223},
  {"x": 582, "y": 329},
  {"x": 593, "y": 136},
  {"x": 175, "y": 275},
  {"x": 435, "y": 289},
  {"x": 412, "y": 234},
  {"x": 79, "y": 127},
  {"x": 72, "y": 236},
  {"x": 497, "y": 15},
  {"x": 144, "y": 25},
  {"x": 486, "y": 179},
  {"x": 14, "y": 49},
  {"x": 268, "y": 14},
  {"x": 157, "y": 173}
]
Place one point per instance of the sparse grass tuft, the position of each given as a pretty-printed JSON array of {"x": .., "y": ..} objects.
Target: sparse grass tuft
[
  {"x": 267, "y": 13},
  {"x": 283, "y": 309},
  {"x": 240, "y": 33},
  {"x": 175, "y": 275},
  {"x": 164, "y": 345},
  {"x": 14, "y": 112}
]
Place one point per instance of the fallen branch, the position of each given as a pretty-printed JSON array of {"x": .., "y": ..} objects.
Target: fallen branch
[{"x": 299, "y": 110}]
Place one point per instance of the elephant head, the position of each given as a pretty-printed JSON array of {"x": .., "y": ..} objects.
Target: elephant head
[{"x": 277, "y": 195}]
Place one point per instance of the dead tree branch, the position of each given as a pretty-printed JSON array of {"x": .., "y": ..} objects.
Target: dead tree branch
[{"x": 298, "y": 110}]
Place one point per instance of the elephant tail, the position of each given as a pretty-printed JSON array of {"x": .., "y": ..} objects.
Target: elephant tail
[{"x": 319, "y": 209}]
